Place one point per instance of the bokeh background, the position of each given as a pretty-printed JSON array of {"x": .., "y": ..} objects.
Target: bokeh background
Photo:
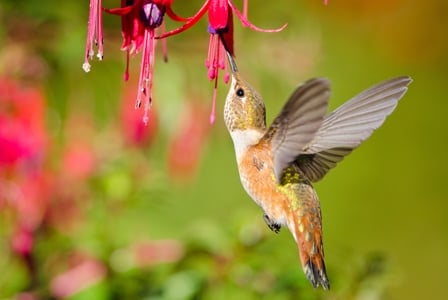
[{"x": 93, "y": 205}]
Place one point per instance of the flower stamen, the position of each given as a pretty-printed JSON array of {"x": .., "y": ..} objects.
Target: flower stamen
[
  {"x": 94, "y": 34},
  {"x": 146, "y": 71}
]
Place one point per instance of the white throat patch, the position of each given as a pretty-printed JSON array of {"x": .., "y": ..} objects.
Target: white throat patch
[{"x": 243, "y": 139}]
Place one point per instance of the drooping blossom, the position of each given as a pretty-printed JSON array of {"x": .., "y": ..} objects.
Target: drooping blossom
[
  {"x": 140, "y": 19},
  {"x": 220, "y": 19}
]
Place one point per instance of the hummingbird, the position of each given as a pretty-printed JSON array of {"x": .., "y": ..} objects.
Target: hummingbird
[{"x": 279, "y": 164}]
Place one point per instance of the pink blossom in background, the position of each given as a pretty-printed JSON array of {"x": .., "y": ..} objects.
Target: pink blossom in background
[
  {"x": 31, "y": 198},
  {"x": 148, "y": 253},
  {"x": 135, "y": 132},
  {"x": 22, "y": 241},
  {"x": 79, "y": 161},
  {"x": 24, "y": 186},
  {"x": 82, "y": 273},
  {"x": 187, "y": 144},
  {"x": 23, "y": 135}
]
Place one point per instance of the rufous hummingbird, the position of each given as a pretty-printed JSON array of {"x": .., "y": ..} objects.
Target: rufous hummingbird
[{"x": 277, "y": 165}]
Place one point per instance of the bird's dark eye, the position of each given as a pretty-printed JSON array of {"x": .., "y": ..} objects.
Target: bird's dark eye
[{"x": 240, "y": 92}]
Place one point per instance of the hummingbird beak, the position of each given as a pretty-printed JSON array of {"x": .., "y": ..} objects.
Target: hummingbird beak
[{"x": 232, "y": 63}]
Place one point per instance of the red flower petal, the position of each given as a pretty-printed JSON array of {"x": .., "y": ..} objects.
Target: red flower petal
[
  {"x": 218, "y": 14},
  {"x": 192, "y": 20}
]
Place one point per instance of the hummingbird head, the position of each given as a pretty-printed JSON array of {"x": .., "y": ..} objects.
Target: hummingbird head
[{"x": 244, "y": 108}]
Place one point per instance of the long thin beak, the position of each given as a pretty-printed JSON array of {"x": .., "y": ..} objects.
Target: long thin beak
[{"x": 232, "y": 63}]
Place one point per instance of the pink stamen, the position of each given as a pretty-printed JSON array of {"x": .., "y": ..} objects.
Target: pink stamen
[
  {"x": 146, "y": 71},
  {"x": 211, "y": 73},
  {"x": 212, "y": 60},
  {"x": 211, "y": 47},
  {"x": 94, "y": 33},
  {"x": 220, "y": 54},
  {"x": 226, "y": 75},
  {"x": 215, "y": 56},
  {"x": 99, "y": 33},
  {"x": 215, "y": 61},
  {"x": 215, "y": 93}
]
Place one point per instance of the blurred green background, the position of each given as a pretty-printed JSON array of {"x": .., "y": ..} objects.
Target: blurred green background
[{"x": 159, "y": 212}]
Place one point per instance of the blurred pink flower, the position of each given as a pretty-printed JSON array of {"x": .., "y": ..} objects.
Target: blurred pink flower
[
  {"x": 149, "y": 253},
  {"x": 220, "y": 19},
  {"x": 22, "y": 131},
  {"x": 31, "y": 198},
  {"x": 186, "y": 146},
  {"x": 84, "y": 272},
  {"x": 26, "y": 296},
  {"x": 22, "y": 241},
  {"x": 23, "y": 139},
  {"x": 78, "y": 161},
  {"x": 135, "y": 132}
]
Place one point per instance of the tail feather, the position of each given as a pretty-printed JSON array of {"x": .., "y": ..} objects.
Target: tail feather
[
  {"x": 305, "y": 224},
  {"x": 308, "y": 236},
  {"x": 316, "y": 272}
]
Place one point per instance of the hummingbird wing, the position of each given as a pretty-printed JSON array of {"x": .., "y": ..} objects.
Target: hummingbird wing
[
  {"x": 349, "y": 125},
  {"x": 298, "y": 122}
]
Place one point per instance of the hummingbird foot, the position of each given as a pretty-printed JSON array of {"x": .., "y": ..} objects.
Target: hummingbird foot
[{"x": 275, "y": 227}]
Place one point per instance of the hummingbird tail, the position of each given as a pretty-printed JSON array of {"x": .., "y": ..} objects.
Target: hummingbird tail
[
  {"x": 316, "y": 273},
  {"x": 309, "y": 241}
]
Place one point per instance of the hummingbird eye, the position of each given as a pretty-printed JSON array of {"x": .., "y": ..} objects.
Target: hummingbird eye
[{"x": 240, "y": 92}]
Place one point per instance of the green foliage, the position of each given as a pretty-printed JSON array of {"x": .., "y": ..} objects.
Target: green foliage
[{"x": 147, "y": 232}]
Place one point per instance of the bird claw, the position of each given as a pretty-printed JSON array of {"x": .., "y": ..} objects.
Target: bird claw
[{"x": 271, "y": 224}]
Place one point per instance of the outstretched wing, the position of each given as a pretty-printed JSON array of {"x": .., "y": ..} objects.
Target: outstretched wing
[
  {"x": 298, "y": 122},
  {"x": 349, "y": 125}
]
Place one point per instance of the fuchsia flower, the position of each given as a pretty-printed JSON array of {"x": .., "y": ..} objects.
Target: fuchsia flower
[
  {"x": 139, "y": 21},
  {"x": 220, "y": 18}
]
